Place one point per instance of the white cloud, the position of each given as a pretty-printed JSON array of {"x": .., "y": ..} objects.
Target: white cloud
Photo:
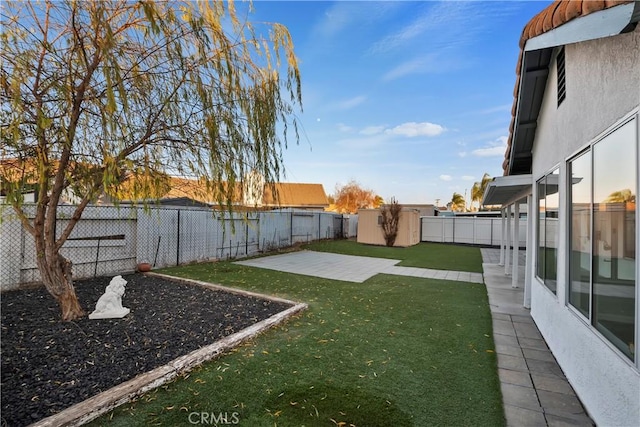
[
  {"x": 489, "y": 152},
  {"x": 372, "y": 130},
  {"x": 435, "y": 19},
  {"x": 368, "y": 142},
  {"x": 335, "y": 19},
  {"x": 497, "y": 109},
  {"x": 378, "y": 135},
  {"x": 468, "y": 178},
  {"x": 351, "y": 103},
  {"x": 437, "y": 27},
  {"x": 462, "y": 153},
  {"x": 411, "y": 129},
  {"x": 342, "y": 15},
  {"x": 493, "y": 149},
  {"x": 344, "y": 128},
  {"x": 446, "y": 177},
  {"x": 428, "y": 64},
  {"x": 410, "y": 67}
]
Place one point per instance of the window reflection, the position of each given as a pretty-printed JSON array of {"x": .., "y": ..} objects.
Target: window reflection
[
  {"x": 580, "y": 233},
  {"x": 552, "y": 204},
  {"x": 541, "y": 235},
  {"x": 614, "y": 236},
  {"x": 548, "y": 205}
]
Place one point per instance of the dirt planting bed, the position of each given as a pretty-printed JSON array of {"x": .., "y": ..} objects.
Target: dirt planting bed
[{"x": 49, "y": 365}]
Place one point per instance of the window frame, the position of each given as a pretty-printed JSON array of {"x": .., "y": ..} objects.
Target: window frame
[
  {"x": 569, "y": 234},
  {"x": 555, "y": 171},
  {"x": 588, "y": 321}
]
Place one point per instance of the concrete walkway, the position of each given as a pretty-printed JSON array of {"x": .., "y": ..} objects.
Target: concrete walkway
[
  {"x": 535, "y": 391},
  {"x": 350, "y": 268}
]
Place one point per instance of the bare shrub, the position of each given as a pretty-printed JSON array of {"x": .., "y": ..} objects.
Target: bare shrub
[{"x": 390, "y": 219}]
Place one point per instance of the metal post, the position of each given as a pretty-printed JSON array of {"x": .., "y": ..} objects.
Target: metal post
[
  {"x": 529, "y": 252},
  {"x": 95, "y": 268},
  {"x": 503, "y": 234},
  {"x": 491, "y": 221},
  {"x": 516, "y": 245},
  {"x": 178, "y": 241},
  {"x": 155, "y": 259},
  {"x": 454, "y": 229},
  {"x": 508, "y": 242}
]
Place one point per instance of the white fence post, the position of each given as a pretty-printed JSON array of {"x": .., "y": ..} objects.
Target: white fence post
[{"x": 469, "y": 230}]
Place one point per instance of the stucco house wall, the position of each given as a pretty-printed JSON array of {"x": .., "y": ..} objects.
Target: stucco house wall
[{"x": 602, "y": 86}]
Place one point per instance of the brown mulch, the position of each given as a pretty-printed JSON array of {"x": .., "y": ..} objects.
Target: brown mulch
[{"x": 49, "y": 365}]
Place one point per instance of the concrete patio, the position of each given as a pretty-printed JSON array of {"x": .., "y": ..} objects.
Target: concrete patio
[{"x": 350, "y": 268}]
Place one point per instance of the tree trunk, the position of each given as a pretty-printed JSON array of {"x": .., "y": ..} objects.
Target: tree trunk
[{"x": 56, "y": 277}]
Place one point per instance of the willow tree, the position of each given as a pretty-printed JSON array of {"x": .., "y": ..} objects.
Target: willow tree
[{"x": 98, "y": 92}]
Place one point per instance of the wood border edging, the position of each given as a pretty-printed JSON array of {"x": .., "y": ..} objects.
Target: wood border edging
[{"x": 90, "y": 409}]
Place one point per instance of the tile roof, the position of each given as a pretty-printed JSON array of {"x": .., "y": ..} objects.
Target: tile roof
[
  {"x": 553, "y": 16},
  {"x": 194, "y": 189},
  {"x": 162, "y": 186},
  {"x": 296, "y": 195},
  {"x": 290, "y": 194}
]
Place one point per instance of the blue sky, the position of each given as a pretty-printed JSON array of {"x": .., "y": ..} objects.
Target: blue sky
[{"x": 410, "y": 99}]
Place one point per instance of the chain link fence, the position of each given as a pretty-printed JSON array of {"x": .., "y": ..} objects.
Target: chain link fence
[{"x": 113, "y": 240}]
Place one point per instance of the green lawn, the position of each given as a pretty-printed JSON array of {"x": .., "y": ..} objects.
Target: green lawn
[
  {"x": 426, "y": 255},
  {"x": 394, "y": 350}
]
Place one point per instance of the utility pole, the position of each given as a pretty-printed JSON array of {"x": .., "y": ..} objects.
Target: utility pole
[{"x": 465, "y": 200}]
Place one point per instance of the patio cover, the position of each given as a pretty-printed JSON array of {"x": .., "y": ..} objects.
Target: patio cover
[{"x": 505, "y": 190}]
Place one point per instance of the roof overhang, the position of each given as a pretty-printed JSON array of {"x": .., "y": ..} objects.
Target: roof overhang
[
  {"x": 505, "y": 190},
  {"x": 601, "y": 24},
  {"x": 537, "y": 55}
]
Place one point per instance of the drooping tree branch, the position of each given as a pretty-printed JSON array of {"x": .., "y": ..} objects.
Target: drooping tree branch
[{"x": 98, "y": 93}]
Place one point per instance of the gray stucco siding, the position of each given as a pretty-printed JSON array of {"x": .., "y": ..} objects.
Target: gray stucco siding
[{"x": 603, "y": 85}]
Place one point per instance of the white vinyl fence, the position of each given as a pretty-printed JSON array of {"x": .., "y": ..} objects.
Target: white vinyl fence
[
  {"x": 109, "y": 240},
  {"x": 469, "y": 230}
]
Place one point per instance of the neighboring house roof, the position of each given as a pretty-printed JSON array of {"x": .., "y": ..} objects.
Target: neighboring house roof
[
  {"x": 561, "y": 23},
  {"x": 290, "y": 194},
  {"x": 193, "y": 189},
  {"x": 182, "y": 201},
  {"x": 176, "y": 190},
  {"x": 295, "y": 195}
]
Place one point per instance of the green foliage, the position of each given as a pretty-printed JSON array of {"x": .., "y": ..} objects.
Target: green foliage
[
  {"x": 352, "y": 196},
  {"x": 391, "y": 351},
  {"x": 95, "y": 93},
  {"x": 458, "y": 203},
  {"x": 621, "y": 196},
  {"x": 478, "y": 189}
]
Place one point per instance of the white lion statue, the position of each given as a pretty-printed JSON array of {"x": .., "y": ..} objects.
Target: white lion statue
[{"x": 109, "y": 306}]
